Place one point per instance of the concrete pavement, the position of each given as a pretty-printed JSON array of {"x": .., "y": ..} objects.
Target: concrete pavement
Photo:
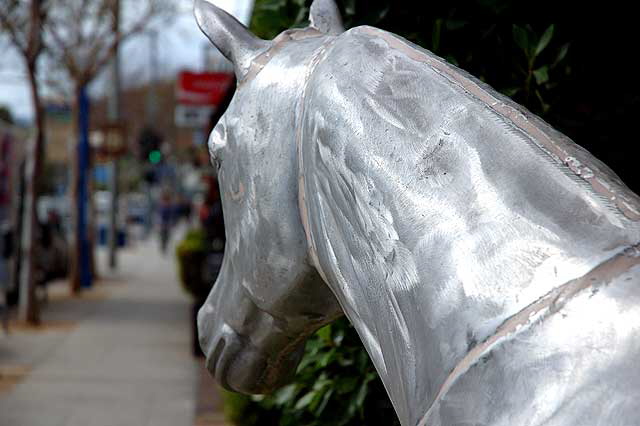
[{"x": 118, "y": 355}]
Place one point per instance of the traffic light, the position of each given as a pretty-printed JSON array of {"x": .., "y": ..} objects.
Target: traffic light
[
  {"x": 149, "y": 146},
  {"x": 155, "y": 156},
  {"x": 150, "y": 176}
]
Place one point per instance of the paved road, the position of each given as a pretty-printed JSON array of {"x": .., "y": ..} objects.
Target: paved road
[{"x": 118, "y": 356}]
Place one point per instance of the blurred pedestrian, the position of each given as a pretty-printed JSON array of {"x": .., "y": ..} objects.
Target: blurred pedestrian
[{"x": 165, "y": 210}]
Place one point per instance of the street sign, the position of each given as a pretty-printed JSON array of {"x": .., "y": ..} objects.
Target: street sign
[
  {"x": 192, "y": 116},
  {"x": 202, "y": 88}
]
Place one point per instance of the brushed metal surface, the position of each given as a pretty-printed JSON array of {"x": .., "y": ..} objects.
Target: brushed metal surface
[{"x": 361, "y": 174}]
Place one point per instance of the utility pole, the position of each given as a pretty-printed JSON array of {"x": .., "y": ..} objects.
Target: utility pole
[
  {"x": 114, "y": 118},
  {"x": 150, "y": 114},
  {"x": 151, "y": 107},
  {"x": 80, "y": 268}
]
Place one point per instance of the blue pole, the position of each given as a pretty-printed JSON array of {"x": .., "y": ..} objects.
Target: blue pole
[{"x": 83, "y": 168}]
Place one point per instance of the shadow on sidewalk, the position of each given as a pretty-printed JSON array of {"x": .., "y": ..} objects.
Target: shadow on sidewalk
[{"x": 209, "y": 411}]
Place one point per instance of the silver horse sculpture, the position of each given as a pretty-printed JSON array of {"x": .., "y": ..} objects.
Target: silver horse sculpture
[{"x": 488, "y": 263}]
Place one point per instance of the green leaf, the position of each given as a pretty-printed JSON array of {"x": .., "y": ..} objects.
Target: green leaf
[
  {"x": 273, "y": 5},
  {"x": 452, "y": 60},
  {"x": 372, "y": 375},
  {"x": 454, "y": 24},
  {"x": 323, "y": 404},
  {"x": 321, "y": 383},
  {"x": 345, "y": 360},
  {"x": 544, "y": 40},
  {"x": 363, "y": 361},
  {"x": 285, "y": 394},
  {"x": 350, "y": 7},
  {"x": 561, "y": 54},
  {"x": 325, "y": 333},
  {"x": 361, "y": 395},
  {"x": 314, "y": 345},
  {"x": 382, "y": 14},
  {"x": 545, "y": 106},
  {"x": 315, "y": 402},
  {"x": 436, "y": 34},
  {"x": 305, "y": 400},
  {"x": 256, "y": 398},
  {"x": 301, "y": 17},
  {"x": 521, "y": 37},
  {"x": 327, "y": 358},
  {"x": 541, "y": 74},
  {"x": 346, "y": 385},
  {"x": 306, "y": 361},
  {"x": 511, "y": 91}
]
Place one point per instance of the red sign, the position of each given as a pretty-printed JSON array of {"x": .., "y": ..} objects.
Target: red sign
[{"x": 202, "y": 88}]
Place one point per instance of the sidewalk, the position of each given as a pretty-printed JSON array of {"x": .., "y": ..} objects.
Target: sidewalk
[{"x": 118, "y": 355}]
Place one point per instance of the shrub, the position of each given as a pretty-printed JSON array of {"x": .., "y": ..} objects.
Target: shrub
[
  {"x": 191, "y": 254},
  {"x": 336, "y": 384}
]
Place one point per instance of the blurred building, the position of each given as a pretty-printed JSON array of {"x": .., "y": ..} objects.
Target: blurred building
[
  {"x": 12, "y": 149},
  {"x": 141, "y": 107},
  {"x": 160, "y": 106},
  {"x": 59, "y": 134},
  {"x": 138, "y": 114}
]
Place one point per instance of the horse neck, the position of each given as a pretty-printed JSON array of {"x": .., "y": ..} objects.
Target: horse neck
[
  {"x": 434, "y": 226},
  {"x": 443, "y": 272}
]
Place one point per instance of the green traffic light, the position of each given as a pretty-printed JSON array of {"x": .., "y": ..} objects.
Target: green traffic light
[{"x": 155, "y": 156}]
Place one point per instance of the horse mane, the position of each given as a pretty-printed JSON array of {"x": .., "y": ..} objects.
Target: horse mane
[{"x": 576, "y": 162}]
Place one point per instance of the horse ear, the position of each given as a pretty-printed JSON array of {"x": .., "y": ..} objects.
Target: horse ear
[
  {"x": 325, "y": 17},
  {"x": 231, "y": 38}
]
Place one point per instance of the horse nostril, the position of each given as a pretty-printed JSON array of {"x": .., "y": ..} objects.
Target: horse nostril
[{"x": 214, "y": 357}]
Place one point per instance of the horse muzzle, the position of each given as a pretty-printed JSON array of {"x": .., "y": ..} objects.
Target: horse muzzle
[{"x": 235, "y": 363}]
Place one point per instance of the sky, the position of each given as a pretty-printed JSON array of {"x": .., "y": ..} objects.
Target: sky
[{"x": 180, "y": 46}]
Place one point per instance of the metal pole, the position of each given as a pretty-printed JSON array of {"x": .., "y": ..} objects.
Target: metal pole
[
  {"x": 150, "y": 113},
  {"x": 114, "y": 117},
  {"x": 153, "y": 76},
  {"x": 83, "y": 168}
]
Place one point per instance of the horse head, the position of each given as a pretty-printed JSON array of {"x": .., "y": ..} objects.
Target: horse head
[{"x": 268, "y": 298}]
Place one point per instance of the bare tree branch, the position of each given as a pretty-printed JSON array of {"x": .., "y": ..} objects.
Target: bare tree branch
[
  {"x": 136, "y": 28},
  {"x": 14, "y": 28},
  {"x": 61, "y": 51},
  {"x": 81, "y": 37}
]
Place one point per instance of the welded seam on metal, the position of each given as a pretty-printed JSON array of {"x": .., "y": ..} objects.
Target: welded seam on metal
[
  {"x": 260, "y": 61},
  {"x": 255, "y": 67},
  {"x": 538, "y": 311}
]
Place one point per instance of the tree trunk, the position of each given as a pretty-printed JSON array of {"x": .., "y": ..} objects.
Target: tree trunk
[{"x": 29, "y": 311}]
